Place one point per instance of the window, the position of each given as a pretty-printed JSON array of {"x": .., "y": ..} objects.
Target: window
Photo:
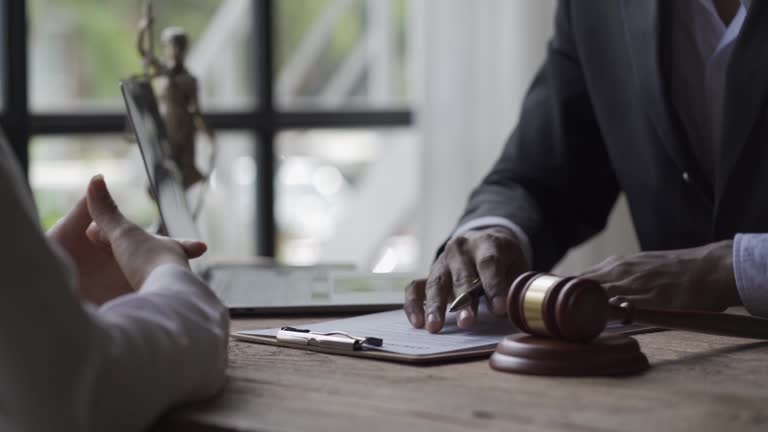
[
  {"x": 61, "y": 165},
  {"x": 79, "y": 49},
  {"x": 340, "y": 54},
  {"x": 343, "y": 194},
  {"x": 307, "y": 98}
]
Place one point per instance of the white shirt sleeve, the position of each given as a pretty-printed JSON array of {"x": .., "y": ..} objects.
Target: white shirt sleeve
[
  {"x": 490, "y": 221},
  {"x": 69, "y": 366},
  {"x": 750, "y": 267}
]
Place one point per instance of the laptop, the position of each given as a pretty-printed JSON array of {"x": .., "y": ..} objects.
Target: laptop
[{"x": 250, "y": 288}]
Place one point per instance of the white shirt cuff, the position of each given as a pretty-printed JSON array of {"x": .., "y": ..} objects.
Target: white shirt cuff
[
  {"x": 491, "y": 221},
  {"x": 750, "y": 267}
]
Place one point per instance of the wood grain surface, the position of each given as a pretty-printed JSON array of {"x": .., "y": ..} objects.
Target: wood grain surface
[{"x": 695, "y": 383}]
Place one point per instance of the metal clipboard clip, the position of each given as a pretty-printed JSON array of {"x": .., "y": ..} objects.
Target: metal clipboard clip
[{"x": 335, "y": 340}]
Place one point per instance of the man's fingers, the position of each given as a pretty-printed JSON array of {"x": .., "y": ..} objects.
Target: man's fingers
[
  {"x": 497, "y": 270},
  {"x": 467, "y": 316},
  {"x": 626, "y": 288},
  {"x": 617, "y": 300},
  {"x": 102, "y": 207},
  {"x": 193, "y": 248},
  {"x": 463, "y": 278},
  {"x": 414, "y": 302},
  {"x": 648, "y": 299},
  {"x": 437, "y": 288}
]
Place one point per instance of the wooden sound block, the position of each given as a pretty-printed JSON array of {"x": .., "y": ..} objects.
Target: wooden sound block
[{"x": 606, "y": 355}]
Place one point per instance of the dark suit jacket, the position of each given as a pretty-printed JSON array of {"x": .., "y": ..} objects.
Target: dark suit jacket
[{"x": 597, "y": 121}]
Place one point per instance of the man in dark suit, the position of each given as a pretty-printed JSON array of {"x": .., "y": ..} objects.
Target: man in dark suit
[{"x": 664, "y": 101}]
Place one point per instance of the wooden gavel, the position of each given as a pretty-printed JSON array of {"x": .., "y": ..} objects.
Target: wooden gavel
[{"x": 577, "y": 310}]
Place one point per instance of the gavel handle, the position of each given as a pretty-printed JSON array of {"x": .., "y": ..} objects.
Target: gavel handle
[{"x": 702, "y": 322}]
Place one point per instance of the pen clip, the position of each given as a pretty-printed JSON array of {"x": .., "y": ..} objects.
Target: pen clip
[
  {"x": 372, "y": 341},
  {"x": 294, "y": 329}
]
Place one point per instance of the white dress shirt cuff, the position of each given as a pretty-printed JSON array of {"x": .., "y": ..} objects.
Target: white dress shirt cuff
[
  {"x": 750, "y": 266},
  {"x": 491, "y": 221}
]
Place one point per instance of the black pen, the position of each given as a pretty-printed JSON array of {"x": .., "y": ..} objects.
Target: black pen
[{"x": 467, "y": 297}]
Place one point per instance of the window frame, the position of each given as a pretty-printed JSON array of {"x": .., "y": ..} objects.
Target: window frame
[{"x": 265, "y": 121}]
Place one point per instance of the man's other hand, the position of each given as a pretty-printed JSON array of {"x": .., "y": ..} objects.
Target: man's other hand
[
  {"x": 492, "y": 255},
  {"x": 699, "y": 278}
]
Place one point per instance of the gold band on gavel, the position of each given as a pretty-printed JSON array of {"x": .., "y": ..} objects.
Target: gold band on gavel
[{"x": 533, "y": 303}]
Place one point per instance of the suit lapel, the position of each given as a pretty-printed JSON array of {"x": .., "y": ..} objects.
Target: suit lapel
[
  {"x": 642, "y": 20},
  {"x": 745, "y": 92}
]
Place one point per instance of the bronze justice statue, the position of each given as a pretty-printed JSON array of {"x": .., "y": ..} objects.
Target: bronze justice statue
[
  {"x": 179, "y": 106},
  {"x": 564, "y": 316}
]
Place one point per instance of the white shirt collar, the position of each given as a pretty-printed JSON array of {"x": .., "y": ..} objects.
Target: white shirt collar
[
  {"x": 712, "y": 34},
  {"x": 710, "y": 5}
]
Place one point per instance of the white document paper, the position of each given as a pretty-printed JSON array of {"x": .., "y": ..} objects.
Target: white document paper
[{"x": 400, "y": 337}]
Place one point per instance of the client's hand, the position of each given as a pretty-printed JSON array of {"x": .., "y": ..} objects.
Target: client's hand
[
  {"x": 699, "y": 278},
  {"x": 112, "y": 255},
  {"x": 492, "y": 255}
]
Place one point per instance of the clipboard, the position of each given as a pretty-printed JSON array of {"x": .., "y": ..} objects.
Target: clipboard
[
  {"x": 351, "y": 337},
  {"x": 374, "y": 354}
]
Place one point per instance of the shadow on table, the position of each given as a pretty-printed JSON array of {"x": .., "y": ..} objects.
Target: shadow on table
[{"x": 694, "y": 357}]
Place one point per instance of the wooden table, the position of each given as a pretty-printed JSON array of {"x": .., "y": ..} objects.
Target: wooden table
[{"x": 696, "y": 383}]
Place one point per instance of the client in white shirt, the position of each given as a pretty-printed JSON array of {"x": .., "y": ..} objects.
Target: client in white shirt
[{"x": 102, "y": 325}]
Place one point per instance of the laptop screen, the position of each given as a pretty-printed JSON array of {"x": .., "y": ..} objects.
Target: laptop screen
[{"x": 164, "y": 176}]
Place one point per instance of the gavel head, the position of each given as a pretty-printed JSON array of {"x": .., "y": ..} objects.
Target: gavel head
[{"x": 566, "y": 308}]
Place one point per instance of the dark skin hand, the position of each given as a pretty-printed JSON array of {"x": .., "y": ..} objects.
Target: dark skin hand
[
  {"x": 492, "y": 255},
  {"x": 699, "y": 278}
]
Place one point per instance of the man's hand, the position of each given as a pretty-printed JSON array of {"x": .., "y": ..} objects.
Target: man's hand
[
  {"x": 492, "y": 255},
  {"x": 112, "y": 255},
  {"x": 696, "y": 279}
]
